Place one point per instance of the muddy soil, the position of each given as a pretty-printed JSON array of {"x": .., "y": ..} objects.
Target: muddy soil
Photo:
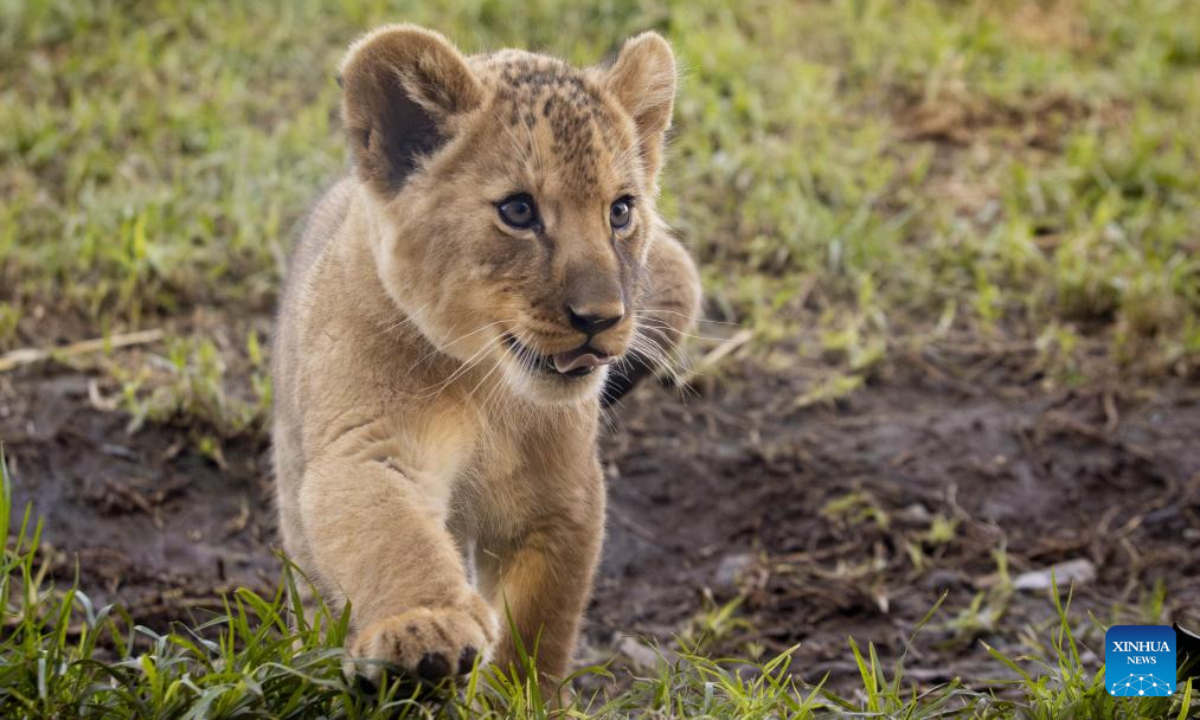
[{"x": 829, "y": 522}]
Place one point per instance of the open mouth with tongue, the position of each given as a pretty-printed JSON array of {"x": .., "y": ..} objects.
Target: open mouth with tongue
[{"x": 579, "y": 362}]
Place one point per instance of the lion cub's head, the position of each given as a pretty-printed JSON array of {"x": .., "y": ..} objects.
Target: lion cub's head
[{"x": 512, "y": 198}]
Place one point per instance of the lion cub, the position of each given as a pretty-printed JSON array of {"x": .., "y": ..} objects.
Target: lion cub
[{"x": 452, "y": 313}]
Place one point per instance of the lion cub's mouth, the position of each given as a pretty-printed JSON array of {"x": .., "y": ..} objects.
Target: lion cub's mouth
[{"x": 579, "y": 362}]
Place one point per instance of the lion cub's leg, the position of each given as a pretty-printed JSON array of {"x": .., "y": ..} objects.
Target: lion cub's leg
[
  {"x": 378, "y": 540},
  {"x": 541, "y": 583},
  {"x": 669, "y": 309}
]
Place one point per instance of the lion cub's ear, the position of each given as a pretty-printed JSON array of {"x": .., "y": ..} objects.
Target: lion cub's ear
[
  {"x": 402, "y": 86},
  {"x": 643, "y": 80}
]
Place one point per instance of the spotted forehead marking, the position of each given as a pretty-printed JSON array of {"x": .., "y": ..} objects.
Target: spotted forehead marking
[{"x": 532, "y": 90}]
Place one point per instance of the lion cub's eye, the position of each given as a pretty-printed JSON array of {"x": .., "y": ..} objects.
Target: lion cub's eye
[
  {"x": 518, "y": 211},
  {"x": 620, "y": 213}
]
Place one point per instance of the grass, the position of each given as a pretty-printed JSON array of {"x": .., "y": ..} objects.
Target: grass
[
  {"x": 60, "y": 656},
  {"x": 1009, "y": 168},
  {"x": 872, "y": 176}
]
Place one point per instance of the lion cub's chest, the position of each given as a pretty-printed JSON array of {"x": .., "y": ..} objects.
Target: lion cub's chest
[
  {"x": 495, "y": 491},
  {"x": 516, "y": 472}
]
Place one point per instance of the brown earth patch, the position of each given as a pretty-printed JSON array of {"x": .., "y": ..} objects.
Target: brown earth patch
[{"x": 828, "y": 522}]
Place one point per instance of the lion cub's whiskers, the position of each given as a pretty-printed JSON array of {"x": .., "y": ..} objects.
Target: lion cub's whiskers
[
  {"x": 659, "y": 324},
  {"x": 409, "y": 317},
  {"x": 649, "y": 311},
  {"x": 442, "y": 348},
  {"x": 466, "y": 367}
]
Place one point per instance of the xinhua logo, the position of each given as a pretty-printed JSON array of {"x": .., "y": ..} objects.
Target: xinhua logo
[{"x": 1139, "y": 660}]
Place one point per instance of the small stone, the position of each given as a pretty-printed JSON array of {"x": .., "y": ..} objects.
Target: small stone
[
  {"x": 916, "y": 513},
  {"x": 642, "y": 656},
  {"x": 1064, "y": 574},
  {"x": 731, "y": 569}
]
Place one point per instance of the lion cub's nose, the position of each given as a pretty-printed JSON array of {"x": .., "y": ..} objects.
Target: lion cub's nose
[{"x": 592, "y": 320}]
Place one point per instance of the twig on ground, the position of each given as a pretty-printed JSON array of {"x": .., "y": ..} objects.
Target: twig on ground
[
  {"x": 632, "y": 525},
  {"x": 717, "y": 354},
  {"x": 1062, "y": 422},
  {"x": 26, "y": 356},
  {"x": 1112, "y": 418}
]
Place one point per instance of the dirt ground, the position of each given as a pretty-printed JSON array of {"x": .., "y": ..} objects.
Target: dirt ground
[{"x": 830, "y": 522}]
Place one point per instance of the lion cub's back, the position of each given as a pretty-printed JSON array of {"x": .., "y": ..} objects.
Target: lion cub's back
[{"x": 322, "y": 225}]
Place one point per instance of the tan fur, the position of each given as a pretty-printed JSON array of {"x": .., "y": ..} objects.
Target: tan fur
[{"x": 424, "y": 473}]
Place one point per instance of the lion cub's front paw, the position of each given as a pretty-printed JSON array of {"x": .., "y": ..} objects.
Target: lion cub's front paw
[{"x": 431, "y": 643}]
